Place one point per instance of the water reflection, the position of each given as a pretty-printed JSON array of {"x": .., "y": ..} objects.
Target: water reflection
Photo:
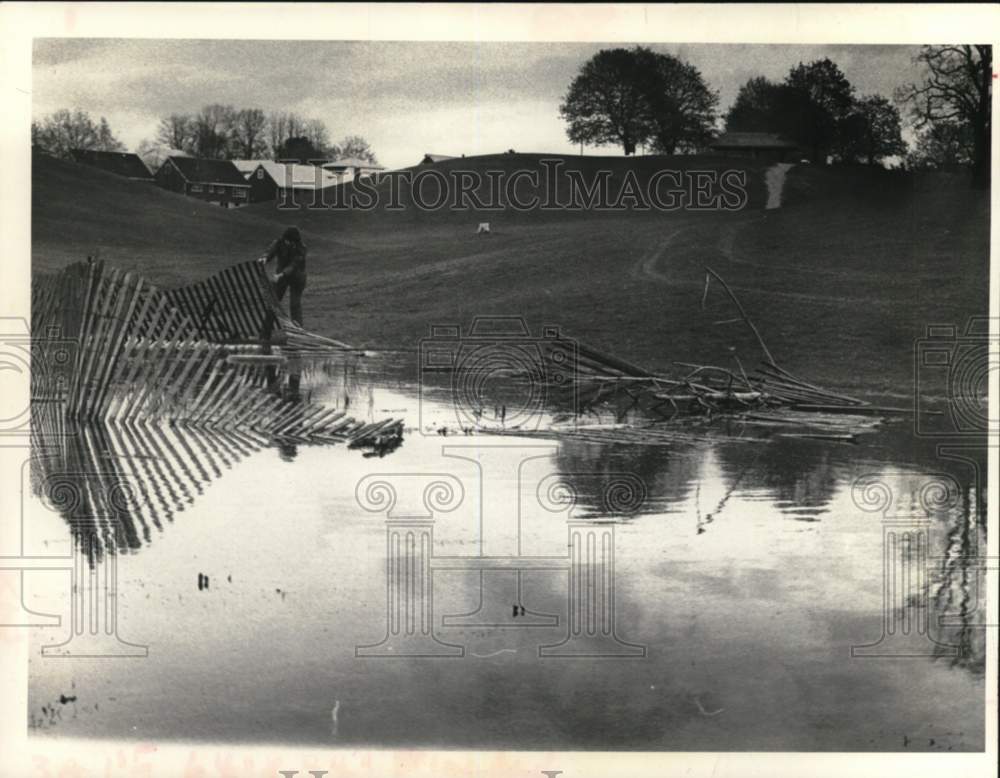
[
  {"x": 116, "y": 484},
  {"x": 119, "y": 483},
  {"x": 745, "y": 572},
  {"x": 797, "y": 475},
  {"x": 960, "y": 592}
]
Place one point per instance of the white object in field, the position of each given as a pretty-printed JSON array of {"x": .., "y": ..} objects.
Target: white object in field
[{"x": 483, "y": 227}]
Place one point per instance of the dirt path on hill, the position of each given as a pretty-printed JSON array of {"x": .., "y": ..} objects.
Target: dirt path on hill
[
  {"x": 646, "y": 266},
  {"x": 775, "y": 180},
  {"x": 723, "y": 240}
]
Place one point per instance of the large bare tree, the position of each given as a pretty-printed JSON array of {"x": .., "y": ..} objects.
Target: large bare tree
[
  {"x": 316, "y": 133},
  {"x": 248, "y": 139},
  {"x": 175, "y": 131},
  {"x": 957, "y": 89},
  {"x": 212, "y": 131},
  {"x": 281, "y": 126}
]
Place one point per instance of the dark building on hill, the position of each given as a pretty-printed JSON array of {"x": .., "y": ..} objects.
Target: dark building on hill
[
  {"x": 213, "y": 180},
  {"x": 758, "y": 145},
  {"x": 430, "y": 159},
  {"x": 117, "y": 162}
]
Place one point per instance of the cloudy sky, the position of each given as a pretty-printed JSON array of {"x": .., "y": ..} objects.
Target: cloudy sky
[{"x": 405, "y": 98}]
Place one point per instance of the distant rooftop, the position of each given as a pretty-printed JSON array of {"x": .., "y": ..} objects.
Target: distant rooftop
[
  {"x": 208, "y": 171},
  {"x": 752, "y": 140},
  {"x": 288, "y": 175},
  {"x": 247, "y": 166},
  {"x": 117, "y": 162},
  {"x": 430, "y": 159},
  {"x": 347, "y": 162}
]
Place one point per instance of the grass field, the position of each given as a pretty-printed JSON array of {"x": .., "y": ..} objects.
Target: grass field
[{"x": 840, "y": 281}]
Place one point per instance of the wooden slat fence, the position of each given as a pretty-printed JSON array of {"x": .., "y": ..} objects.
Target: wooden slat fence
[{"x": 117, "y": 349}]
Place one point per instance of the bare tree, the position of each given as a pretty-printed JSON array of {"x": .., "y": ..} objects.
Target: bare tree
[
  {"x": 63, "y": 131},
  {"x": 281, "y": 126},
  {"x": 957, "y": 89},
  {"x": 175, "y": 131},
  {"x": 356, "y": 146},
  {"x": 942, "y": 146},
  {"x": 212, "y": 134},
  {"x": 316, "y": 133},
  {"x": 248, "y": 133},
  {"x": 276, "y": 134},
  {"x": 296, "y": 125}
]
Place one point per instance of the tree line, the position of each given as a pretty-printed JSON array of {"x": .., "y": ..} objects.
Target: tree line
[
  {"x": 215, "y": 132},
  {"x": 62, "y": 131},
  {"x": 638, "y": 97}
]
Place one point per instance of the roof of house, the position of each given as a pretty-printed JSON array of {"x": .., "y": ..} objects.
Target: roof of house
[
  {"x": 353, "y": 162},
  {"x": 291, "y": 176},
  {"x": 430, "y": 158},
  {"x": 208, "y": 171},
  {"x": 752, "y": 140},
  {"x": 247, "y": 166},
  {"x": 117, "y": 162}
]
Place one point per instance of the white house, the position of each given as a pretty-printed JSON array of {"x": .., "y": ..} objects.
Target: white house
[
  {"x": 352, "y": 167},
  {"x": 271, "y": 180}
]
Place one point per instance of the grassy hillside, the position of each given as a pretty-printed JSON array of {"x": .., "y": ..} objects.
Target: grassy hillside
[
  {"x": 840, "y": 281},
  {"x": 78, "y": 211},
  {"x": 546, "y": 178}
]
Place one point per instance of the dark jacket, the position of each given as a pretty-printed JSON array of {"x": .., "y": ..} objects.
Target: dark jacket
[{"x": 291, "y": 257}]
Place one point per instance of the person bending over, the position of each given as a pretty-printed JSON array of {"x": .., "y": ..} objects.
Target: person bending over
[{"x": 290, "y": 269}]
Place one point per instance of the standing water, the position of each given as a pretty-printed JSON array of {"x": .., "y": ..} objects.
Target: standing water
[{"x": 510, "y": 589}]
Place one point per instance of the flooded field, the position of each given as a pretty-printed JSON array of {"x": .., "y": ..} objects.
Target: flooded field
[{"x": 510, "y": 589}]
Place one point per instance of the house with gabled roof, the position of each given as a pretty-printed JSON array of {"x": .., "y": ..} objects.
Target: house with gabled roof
[
  {"x": 286, "y": 181},
  {"x": 213, "y": 180},
  {"x": 766, "y": 145},
  {"x": 248, "y": 166},
  {"x": 120, "y": 163}
]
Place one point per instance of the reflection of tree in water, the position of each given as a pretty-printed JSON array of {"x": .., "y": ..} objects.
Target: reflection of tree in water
[
  {"x": 666, "y": 473},
  {"x": 797, "y": 474},
  {"x": 704, "y": 519},
  {"x": 959, "y": 590}
]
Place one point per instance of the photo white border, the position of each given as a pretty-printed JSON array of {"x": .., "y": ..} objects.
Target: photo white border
[{"x": 763, "y": 23}]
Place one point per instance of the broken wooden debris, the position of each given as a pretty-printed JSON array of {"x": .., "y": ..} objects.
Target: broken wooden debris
[
  {"x": 602, "y": 380},
  {"x": 132, "y": 352}
]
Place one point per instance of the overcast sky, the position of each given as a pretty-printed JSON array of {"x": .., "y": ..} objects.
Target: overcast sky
[{"x": 405, "y": 98}]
